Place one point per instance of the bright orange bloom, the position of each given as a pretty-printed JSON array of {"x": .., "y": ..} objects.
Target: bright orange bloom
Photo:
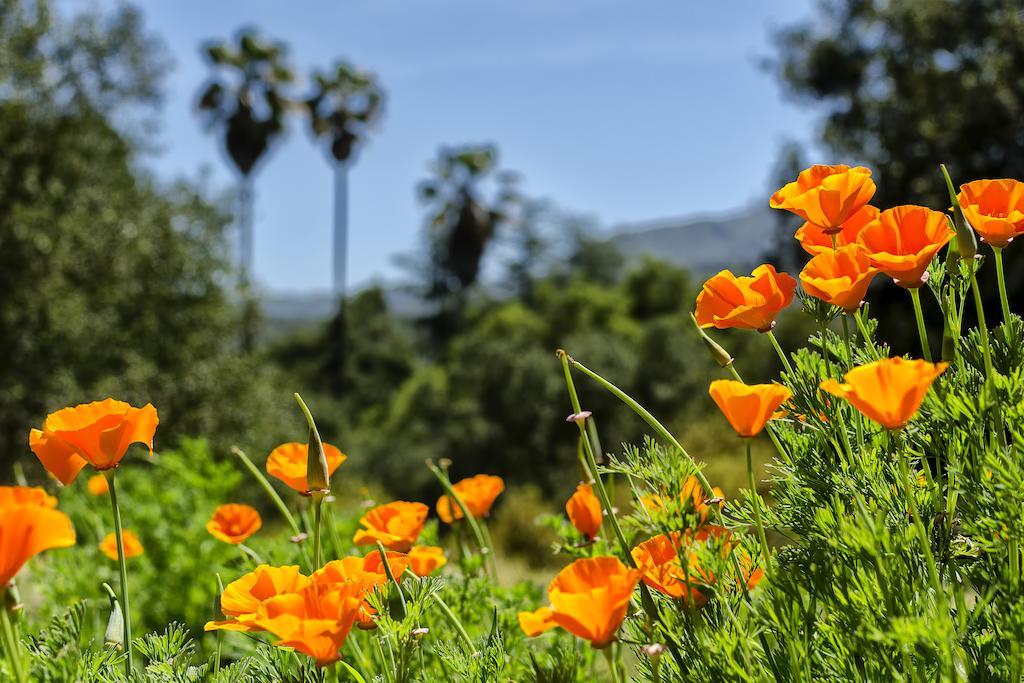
[
  {"x": 748, "y": 407},
  {"x": 242, "y": 598},
  {"x": 903, "y": 240},
  {"x": 315, "y": 621},
  {"x": 396, "y": 525},
  {"x": 478, "y": 493},
  {"x": 29, "y": 524},
  {"x": 368, "y": 572},
  {"x": 132, "y": 545},
  {"x": 826, "y": 196},
  {"x": 288, "y": 463},
  {"x": 424, "y": 560},
  {"x": 839, "y": 277},
  {"x": 994, "y": 208},
  {"x": 887, "y": 391},
  {"x": 816, "y": 241},
  {"x": 234, "y": 522},
  {"x": 691, "y": 497},
  {"x": 584, "y": 510},
  {"x": 96, "y": 434},
  {"x": 98, "y": 485},
  {"x": 588, "y": 598},
  {"x": 749, "y": 303}
]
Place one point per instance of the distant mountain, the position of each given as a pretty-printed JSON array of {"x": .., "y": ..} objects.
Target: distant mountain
[{"x": 704, "y": 245}]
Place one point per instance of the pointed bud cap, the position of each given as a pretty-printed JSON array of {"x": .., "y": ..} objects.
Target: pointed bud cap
[
  {"x": 966, "y": 241},
  {"x": 720, "y": 355},
  {"x": 113, "y": 637},
  {"x": 317, "y": 473}
]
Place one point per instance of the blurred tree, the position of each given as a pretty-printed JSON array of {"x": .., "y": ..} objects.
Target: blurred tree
[
  {"x": 343, "y": 108},
  {"x": 245, "y": 98},
  {"x": 905, "y": 86},
  {"x": 112, "y": 284},
  {"x": 462, "y": 222}
]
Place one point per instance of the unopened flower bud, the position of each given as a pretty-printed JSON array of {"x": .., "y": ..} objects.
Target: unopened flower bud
[
  {"x": 653, "y": 649},
  {"x": 114, "y": 635},
  {"x": 317, "y": 472},
  {"x": 966, "y": 242},
  {"x": 579, "y": 417},
  {"x": 720, "y": 355}
]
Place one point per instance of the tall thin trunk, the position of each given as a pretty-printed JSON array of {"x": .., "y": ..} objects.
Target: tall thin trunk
[
  {"x": 246, "y": 198},
  {"x": 340, "y": 229}
]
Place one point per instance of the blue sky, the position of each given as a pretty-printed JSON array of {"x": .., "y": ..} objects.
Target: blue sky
[{"x": 625, "y": 111}]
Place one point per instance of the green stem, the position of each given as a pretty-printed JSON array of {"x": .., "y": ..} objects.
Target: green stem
[
  {"x": 217, "y": 611},
  {"x": 11, "y": 644},
  {"x": 1003, "y": 300},
  {"x": 318, "y": 503},
  {"x": 926, "y": 546},
  {"x": 268, "y": 488},
  {"x": 399, "y": 605},
  {"x": 455, "y": 623},
  {"x": 782, "y": 355},
  {"x": 756, "y": 500},
  {"x": 982, "y": 326},
  {"x": 481, "y": 542},
  {"x": 856, "y": 416},
  {"x": 824, "y": 350},
  {"x": 613, "y": 670},
  {"x": 922, "y": 331},
  {"x": 109, "y": 474}
]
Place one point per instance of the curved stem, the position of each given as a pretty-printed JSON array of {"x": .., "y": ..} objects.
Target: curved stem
[
  {"x": 982, "y": 326},
  {"x": 1003, "y": 300},
  {"x": 481, "y": 542},
  {"x": 455, "y": 623},
  {"x": 782, "y": 355},
  {"x": 109, "y": 474},
  {"x": 849, "y": 352},
  {"x": 268, "y": 488},
  {"x": 922, "y": 331},
  {"x": 11, "y": 644},
  {"x": 922, "y": 534},
  {"x": 756, "y": 500}
]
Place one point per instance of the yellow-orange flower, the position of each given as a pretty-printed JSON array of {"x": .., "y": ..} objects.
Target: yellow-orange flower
[
  {"x": 315, "y": 621},
  {"x": 826, "y": 196},
  {"x": 96, "y": 434},
  {"x": 750, "y": 303},
  {"x": 691, "y": 497},
  {"x": 234, "y": 522},
  {"x": 588, "y": 598},
  {"x": 98, "y": 485},
  {"x": 903, "y": 240},
  {"x": 29, "y": 524},
  {"x": 132, "y": 545},
  {"x": 748, "y": 407},
  {"x": 816, "y": 241},
  {"x": 478, "y": 493},
  {"x": 887, "y": 391},
  {"x": 241, "y": 600},
  {"x": 288, "y": 463},
  {"x": 396, "y": 525},
  {"x": 368, "y": 572},
  {"x": 994, "y": 208},
  {"x": 424, "y": 560},
  {"x": 584, "y": 510},
  {"x": 839, "y": 277}
]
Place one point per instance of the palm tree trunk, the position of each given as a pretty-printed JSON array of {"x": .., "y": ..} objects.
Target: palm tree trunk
[
  {"x": 245, "y": 230},
  {"x": 340, "y": 228}
]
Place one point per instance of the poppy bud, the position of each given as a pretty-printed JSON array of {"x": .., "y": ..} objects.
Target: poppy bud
[
  {"x": 966, "y": 242},
  {"x": 720, "y": 355},
  {"x": 114, "y": 635},
  {"x": 317, "y": 470}
]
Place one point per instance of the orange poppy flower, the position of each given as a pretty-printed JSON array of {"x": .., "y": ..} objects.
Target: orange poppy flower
[
  {"x": 584, "y": 510},
  {"x": 749, "y": 303},
  {"x": 816, "y": 241},
  {"x": 11, "y": 496},
  {"x": 537, "y": 622},
  {"x": 887, "y": 391},
  {"x": 826, "y": 196},
  {"x": 748, "y": 407},
  {"x": 839, "y": 277},
  {"x": 96, "y": 434},
  {"x": 234, "y": 522},
  {"x": 478, "y": 493},
  {"x": 589, "y": 598},
  {"x": 288, "y": 463},
  {"x": 368, "y": 572},
  {"x": 29, "y": 524},
  {"x": 994, "y": 208},
  {"x": 98, "y": 485},
  {"x": 242, "y": 598},
  {"x": 691, "y": 496},
  {"x": 658, "y": 559},
  {"x": 315, "y": 621},
  {"x": 903, "y": 240},
  {"x": 396, "y": 525},
  {"x": 132, "y": 545},
  {"x": 424, "y": 560}
]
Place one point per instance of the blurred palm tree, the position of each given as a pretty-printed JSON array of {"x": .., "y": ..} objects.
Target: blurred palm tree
[
  {"x": 245, "y": 98},
  {"x": 463, "y": 222}
]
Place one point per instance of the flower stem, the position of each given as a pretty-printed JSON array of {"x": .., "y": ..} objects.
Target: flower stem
[
  {"x": 268, "y": 488},
  {"x": 455, "y": 623},
  {"x": 109, "y": 474},
  {"x": 849, "y": 352},
  {"x": 926, "y": 546},
  {"x": 481, "y": 542},
  {"x": 11, "y": 644},
  {"x": 922, "y": 331},
  {"x": 756, "y": 500},
  {"x": 613, "y": 669},
  {"x": 1003, "y": 300},
  {"x": 982, "y": 326},
  {"x": 782, "y": 355},
  {"x": 318, "y": 503}
]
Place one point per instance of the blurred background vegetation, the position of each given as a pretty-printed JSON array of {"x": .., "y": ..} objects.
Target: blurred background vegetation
[{"x": 115, "y": 283}]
